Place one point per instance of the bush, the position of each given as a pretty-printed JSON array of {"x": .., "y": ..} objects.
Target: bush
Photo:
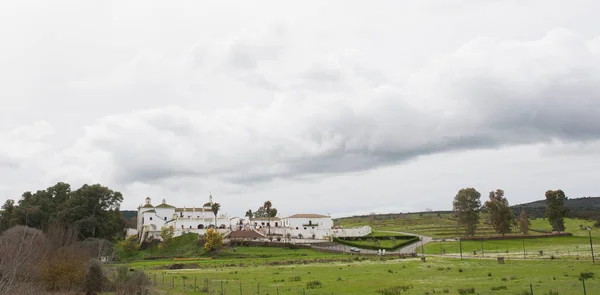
[
  {"x": 499, "y": 288},
  {"x": 586, "y": 275},
  {"x": 313, "y": 284},
  {"x": 94, "y": 279},
  {"x": 125, "y": 282},
  {"x": 395, "y": 290},
  {"x": 21, "y": 250},
  {"x": 466, "y": 290},
  {"x": 129, "y": 245}
]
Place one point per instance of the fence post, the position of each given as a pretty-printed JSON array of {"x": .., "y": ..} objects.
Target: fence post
[
  {"x": 173, "y": 282},
  {"x": 258, "y": 288},
  {"x": 154, "y": 279},
  {"x": 583, "y": 282},
  {"x": 222, "y": 291},
  {"x": 531, "y": 288},
  {"x": 163, "y": 279},
  {"x": 184, "y": 283},
  {"x": 277, "y": 290},
  {"x": 195, "y": 283},
  {"x": 240, "y": 288}
]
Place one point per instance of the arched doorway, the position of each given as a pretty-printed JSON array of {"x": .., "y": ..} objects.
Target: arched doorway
[{"x": 200, "y": 226}]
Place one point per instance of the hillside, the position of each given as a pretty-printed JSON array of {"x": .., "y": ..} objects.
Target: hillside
[
  {"x": 586, "y": 208},
  {"x": 442, "y": 224}
]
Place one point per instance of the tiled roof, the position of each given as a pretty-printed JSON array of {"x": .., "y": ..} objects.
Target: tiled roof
[
  {"x": 308, "y": 216},
  {"x": 164, "y": 206},
  {"x": 150, "y": 211},
  {"x": 148, "y": 206}
]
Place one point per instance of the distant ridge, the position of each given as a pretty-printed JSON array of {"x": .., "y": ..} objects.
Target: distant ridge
[{"x": 585, "y": 208}]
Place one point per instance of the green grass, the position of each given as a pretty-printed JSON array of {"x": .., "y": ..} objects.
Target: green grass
[
  {"x": 183, "y": 246},
  {"x": 372, "y": 277},
  {"x": 445, "y": 225},
  {"x": 560, "y": 247},
  {"x": 248, "y": 256}
]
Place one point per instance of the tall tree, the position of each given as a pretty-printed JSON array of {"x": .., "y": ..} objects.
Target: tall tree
[
  {"x": 249, "y": 214},
  {"x": 500, "y": 214},
  {"x": 466, "y": 206},
  {"x": 524, "y": 222},
  {"x": 555, "y": 209},
  {"x": 267, "y": 205},
  {"x": 215, "y": 207},
  {"x": 7, "y": 215}
]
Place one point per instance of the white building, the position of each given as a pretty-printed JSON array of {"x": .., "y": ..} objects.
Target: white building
[{"x": 151, "y": 219}]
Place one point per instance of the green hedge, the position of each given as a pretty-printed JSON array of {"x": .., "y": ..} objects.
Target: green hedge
[
  {"x": 352, "y": 243},
  {"x": 367, "y": 238}
]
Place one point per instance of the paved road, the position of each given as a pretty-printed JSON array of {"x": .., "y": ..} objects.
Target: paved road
[{"x": 412, "y": 248}]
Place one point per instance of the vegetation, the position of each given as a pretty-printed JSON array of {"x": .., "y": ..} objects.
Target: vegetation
[
  {"x": 54, "y": 261},
  {"x": 92, "y": 209},
  {"x": 214, "y": 240},
  {"x": 555, "y": 209},
  {"x": 215, "y": 207},
  {"x": 376, "y": 244},
  {"x": 500, "y": 214},
  {"x": 408, "y": 276},
  {"x": 166, "y": 234},
  {"x": 467, "y": 205}
]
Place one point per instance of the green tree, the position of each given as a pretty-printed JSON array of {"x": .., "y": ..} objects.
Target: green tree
[
  {"x": 555, "y": 209},
  {"x": 249, "y": 214},
  {"x": 7, "y": 215},
  {"x": 267, "y": 205},
  {"x": 524, "y": 222},
  {"x": 500, "y": 214},
  {"x": 214, "y": 240},
  {"x": 129, "y": 244},
  {"x": 166, "y": 234},
  {"x": 466, "y": 206},
  {"x": 215, "y": 207}
]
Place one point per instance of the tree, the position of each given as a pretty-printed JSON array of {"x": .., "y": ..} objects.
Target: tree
[
  {"x": 524, "y": 222},
  {"x": 215, "y": 207},
  {"x": 130, "y": 244},
  {"x": 214, "y": 240},
  {"x": 267, "y": 207},
  {"x": 555, "y": 209},
  {"x": 167, "y": 233},
  {"x": 466, "y": 206},
  {"x": 249, "y": 214},
  {"x": 500, "y": 214}
]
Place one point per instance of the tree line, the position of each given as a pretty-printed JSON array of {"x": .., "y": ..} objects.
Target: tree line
[
  {"x": 92, "y": 209},
  {"x": 468, "y": 209}
]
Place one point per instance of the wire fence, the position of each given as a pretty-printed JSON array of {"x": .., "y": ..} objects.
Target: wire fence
[{"x": 184, "y": 284}]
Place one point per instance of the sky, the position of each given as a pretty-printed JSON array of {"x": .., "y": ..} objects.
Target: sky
[{"x": 331, "y": 107}]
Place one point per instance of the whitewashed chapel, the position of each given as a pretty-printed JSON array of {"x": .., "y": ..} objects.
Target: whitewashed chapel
[{"x": 151, "y": 219}]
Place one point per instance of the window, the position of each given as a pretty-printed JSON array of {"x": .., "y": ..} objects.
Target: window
[
  {"x": 190, "y": 226},
  {"x": 165, "y": 218},
  {"x": 309, "y": 222},
  {"x": 150, "y": 217},
  {"x": 305, "y": 228},
  {"x": 276, "y": 224},
  {"x": 296, "y": 227},
  {"x": 313, "y": 227}
]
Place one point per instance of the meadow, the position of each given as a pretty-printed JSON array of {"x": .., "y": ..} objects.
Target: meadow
[
  {"x": 399, "y": 276},
  {"x": 444, "y": 225}
]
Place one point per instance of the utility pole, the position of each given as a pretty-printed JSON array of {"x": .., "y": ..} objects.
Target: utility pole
[{"x": 591, "y": 245}]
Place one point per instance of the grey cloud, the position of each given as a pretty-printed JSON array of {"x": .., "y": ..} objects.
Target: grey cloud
[{"x": 501, "y": 98}]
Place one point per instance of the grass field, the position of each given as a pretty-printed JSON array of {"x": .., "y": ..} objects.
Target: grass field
[
  {"x": 436, "y": 276},
  {"x": 445, "y": 226}
]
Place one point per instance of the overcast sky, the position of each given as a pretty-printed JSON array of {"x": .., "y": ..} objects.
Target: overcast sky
[{"x": 336, "y": 107}]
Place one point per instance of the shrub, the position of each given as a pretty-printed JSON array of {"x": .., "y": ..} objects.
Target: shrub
[
  {"x": 466, "y": 290},
  {"x": 586, "y": 275},
  {"x": 94, "y": 278},
  {"x": 126, "y": 282},
  {"x": 129, "y": 245},
  {"x": 214, "y": 240},
  {"x": 313, "y": 284},
  {"x": 295, "y": 279},
  {"x": 21, "y": 250},
  {"x": 395, "y": 290},
  {"x": 499, "y": 288}
]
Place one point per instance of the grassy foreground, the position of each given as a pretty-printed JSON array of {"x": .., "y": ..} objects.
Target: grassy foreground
[{"x": 411, "y": 276}]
